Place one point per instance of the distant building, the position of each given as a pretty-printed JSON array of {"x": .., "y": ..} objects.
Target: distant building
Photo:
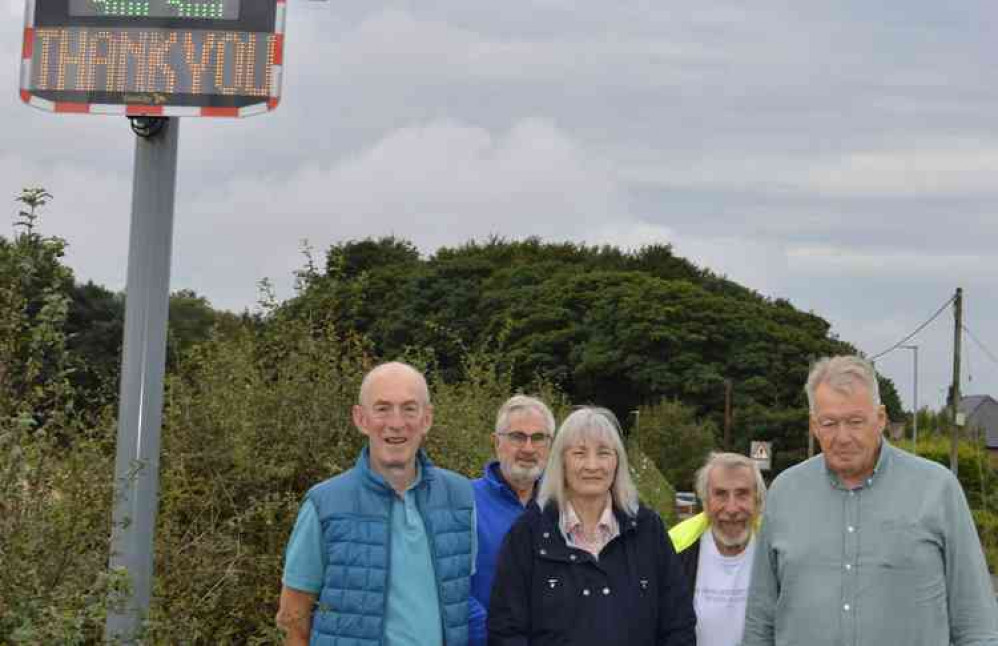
[{"x": 982, "y": 416}]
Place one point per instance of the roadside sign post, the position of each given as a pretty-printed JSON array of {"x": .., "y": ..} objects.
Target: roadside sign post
[
  {"x": 152, "y": 61},
  {"x": 143, "y": 361}
]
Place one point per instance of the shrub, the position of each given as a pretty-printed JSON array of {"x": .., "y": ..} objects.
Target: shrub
[{"x": 675, "y": 440}]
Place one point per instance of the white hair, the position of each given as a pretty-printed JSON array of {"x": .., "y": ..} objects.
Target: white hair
[
  {"x": 523, "y": 404},
  {"x": 842, "y": 373},
  {"x": 730, "y": 461},
  {"x": 599, "y": 425}
]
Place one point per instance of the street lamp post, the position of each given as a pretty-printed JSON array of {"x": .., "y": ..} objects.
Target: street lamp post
[{"x": 914, "y": 349}]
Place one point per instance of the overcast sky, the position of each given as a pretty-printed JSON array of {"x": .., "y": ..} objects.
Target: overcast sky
[{"x": 842, "y": 155}]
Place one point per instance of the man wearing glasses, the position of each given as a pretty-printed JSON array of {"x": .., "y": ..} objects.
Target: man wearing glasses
[
  {"x": 866, "y": 544},
  {"x": 523, "y": 432}
]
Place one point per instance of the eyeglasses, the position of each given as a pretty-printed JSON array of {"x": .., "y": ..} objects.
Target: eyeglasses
[
  {"x": 830, "y": 425},
  {"x": 519, "y": 438}
]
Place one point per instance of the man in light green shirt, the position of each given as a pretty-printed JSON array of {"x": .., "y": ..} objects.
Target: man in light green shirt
[{"x": 865, "y": 544}]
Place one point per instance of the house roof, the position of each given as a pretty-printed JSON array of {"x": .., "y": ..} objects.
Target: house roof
[{"x": 982, "y": 412}]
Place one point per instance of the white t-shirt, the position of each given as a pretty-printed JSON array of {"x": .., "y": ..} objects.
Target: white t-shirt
[{"x": 721, "y": 592}]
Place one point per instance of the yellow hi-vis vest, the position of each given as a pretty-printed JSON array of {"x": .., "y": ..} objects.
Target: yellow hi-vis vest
[{"x": 688, "y": 532}]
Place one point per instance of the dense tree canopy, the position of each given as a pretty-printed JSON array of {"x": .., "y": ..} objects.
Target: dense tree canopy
[{"x": 617, "y": 328}]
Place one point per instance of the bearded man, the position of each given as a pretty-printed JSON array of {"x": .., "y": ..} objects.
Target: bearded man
[
  {"x": 716, "y": 547},
  {"x": 522, "y": 439}
]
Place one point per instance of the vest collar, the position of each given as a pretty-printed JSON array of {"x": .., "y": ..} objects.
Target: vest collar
[{"x": 376, "y": 482}]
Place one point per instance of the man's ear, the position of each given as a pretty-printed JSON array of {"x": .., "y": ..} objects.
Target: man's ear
[
  {"x": 812, "y": 424},
  {"x": 882, "y": 417},
  {"x": 359, "y": 418}
]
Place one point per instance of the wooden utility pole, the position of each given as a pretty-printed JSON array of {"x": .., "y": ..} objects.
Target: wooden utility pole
[
  {"x": 957, "y": 334},
  {"x": 727, "y": 414}
]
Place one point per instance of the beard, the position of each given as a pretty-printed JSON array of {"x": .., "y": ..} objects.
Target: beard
[
  {"x": 739, "y": 539},
  {"x": 522, "y": 475}
]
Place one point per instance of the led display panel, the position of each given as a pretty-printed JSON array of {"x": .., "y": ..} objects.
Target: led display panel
[{"x": 153, "y": 57}]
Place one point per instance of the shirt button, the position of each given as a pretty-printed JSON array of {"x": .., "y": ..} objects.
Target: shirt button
[
  {"x": 606, "y": 591},
  {"x": 852, "y": 493},
  {"x": 850, "y": 529},
  {"x": 543, "y": 552},
  {"x": 846, "y": 607},
  {"x": 547, "y": 535},
  {"x": 848, "y": 566},
  {"x": 571, "y": 557},
  {"x": 585, "y": 593}
]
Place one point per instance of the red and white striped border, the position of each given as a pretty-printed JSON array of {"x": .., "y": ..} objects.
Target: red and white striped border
[{"x": 136, "y": 110}]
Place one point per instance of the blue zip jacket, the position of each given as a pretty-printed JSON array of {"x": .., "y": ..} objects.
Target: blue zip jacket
[
  {"x": 354, "y": 510},
  {"x": 497, "y": 507}
]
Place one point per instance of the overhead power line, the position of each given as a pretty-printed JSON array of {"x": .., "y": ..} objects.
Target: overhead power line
[
  {"x": 981, "y": 345},
  {"x": 917, "y": 330}
]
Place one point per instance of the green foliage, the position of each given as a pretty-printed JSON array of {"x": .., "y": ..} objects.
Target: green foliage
[
  {"x": 252, "y": 421},
  {"x": 34, "y": 364},
  {"x": 676, "y": 441},
  {"x": 615, "y": 328},
  {"x": 54, "y": 525},
  {"x": 978, "y": 478},
  {"x": 890, "y": 399},
  {"x": 94, "y": 326},
  {"x": 987, "y": 531},
  {"x": 653, "y": 489}
]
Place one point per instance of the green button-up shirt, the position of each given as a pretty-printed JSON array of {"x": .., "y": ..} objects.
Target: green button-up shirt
[{"x": 895, "y": 562}]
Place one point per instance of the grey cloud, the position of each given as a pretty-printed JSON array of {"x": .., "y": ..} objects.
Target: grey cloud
[{"x": 839, "y": 154}]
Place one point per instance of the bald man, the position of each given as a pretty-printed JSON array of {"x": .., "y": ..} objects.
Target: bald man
[{"x": 384, "y": 552}]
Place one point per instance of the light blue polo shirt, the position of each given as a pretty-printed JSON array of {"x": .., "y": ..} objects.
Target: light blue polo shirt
[{"x": 412, "y": 615}]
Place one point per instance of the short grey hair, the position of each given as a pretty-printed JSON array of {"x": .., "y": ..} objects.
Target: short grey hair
[
  {"x": 842, "y": 373},
  {"x": 730, "y": 461},
  {"x": 390, "y": 366},
  {"x": 588, "y": 423},
  {"x": 523, "y": 404}
]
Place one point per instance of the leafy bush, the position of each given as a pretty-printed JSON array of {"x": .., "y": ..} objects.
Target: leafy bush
[
  {"x": 654, "y": 490},
  {"x": 54, "y": 525},
  {"x": 987, "y": 530},
  {"x": 975, "y": 473},
  {"x": 675, "y": 440}
]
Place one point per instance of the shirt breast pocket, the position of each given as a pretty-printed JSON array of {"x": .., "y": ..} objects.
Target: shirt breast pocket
[
  {"x": 910, "y": 559},
  {"x": 905, "y": 545}
]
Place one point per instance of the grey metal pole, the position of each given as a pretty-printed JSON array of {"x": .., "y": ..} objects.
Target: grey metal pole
[
  {"x": 143, "y": 363},
  {"x": 914, "y": 417},
  {"x": 916, "y": 402},
  {"x": 954, "y": 453}
]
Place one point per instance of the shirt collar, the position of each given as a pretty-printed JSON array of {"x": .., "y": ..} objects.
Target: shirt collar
[{"x": 570, "y": 521}]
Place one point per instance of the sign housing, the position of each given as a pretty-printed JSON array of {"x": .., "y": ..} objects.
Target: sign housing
[{"x": 189, "y": 58}]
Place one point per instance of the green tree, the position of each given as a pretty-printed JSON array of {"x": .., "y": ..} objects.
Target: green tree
[
  {"x": 671, "y": 435},
  {"x": 34, "y": 286},
  {"x": 94, "y": 328}
]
